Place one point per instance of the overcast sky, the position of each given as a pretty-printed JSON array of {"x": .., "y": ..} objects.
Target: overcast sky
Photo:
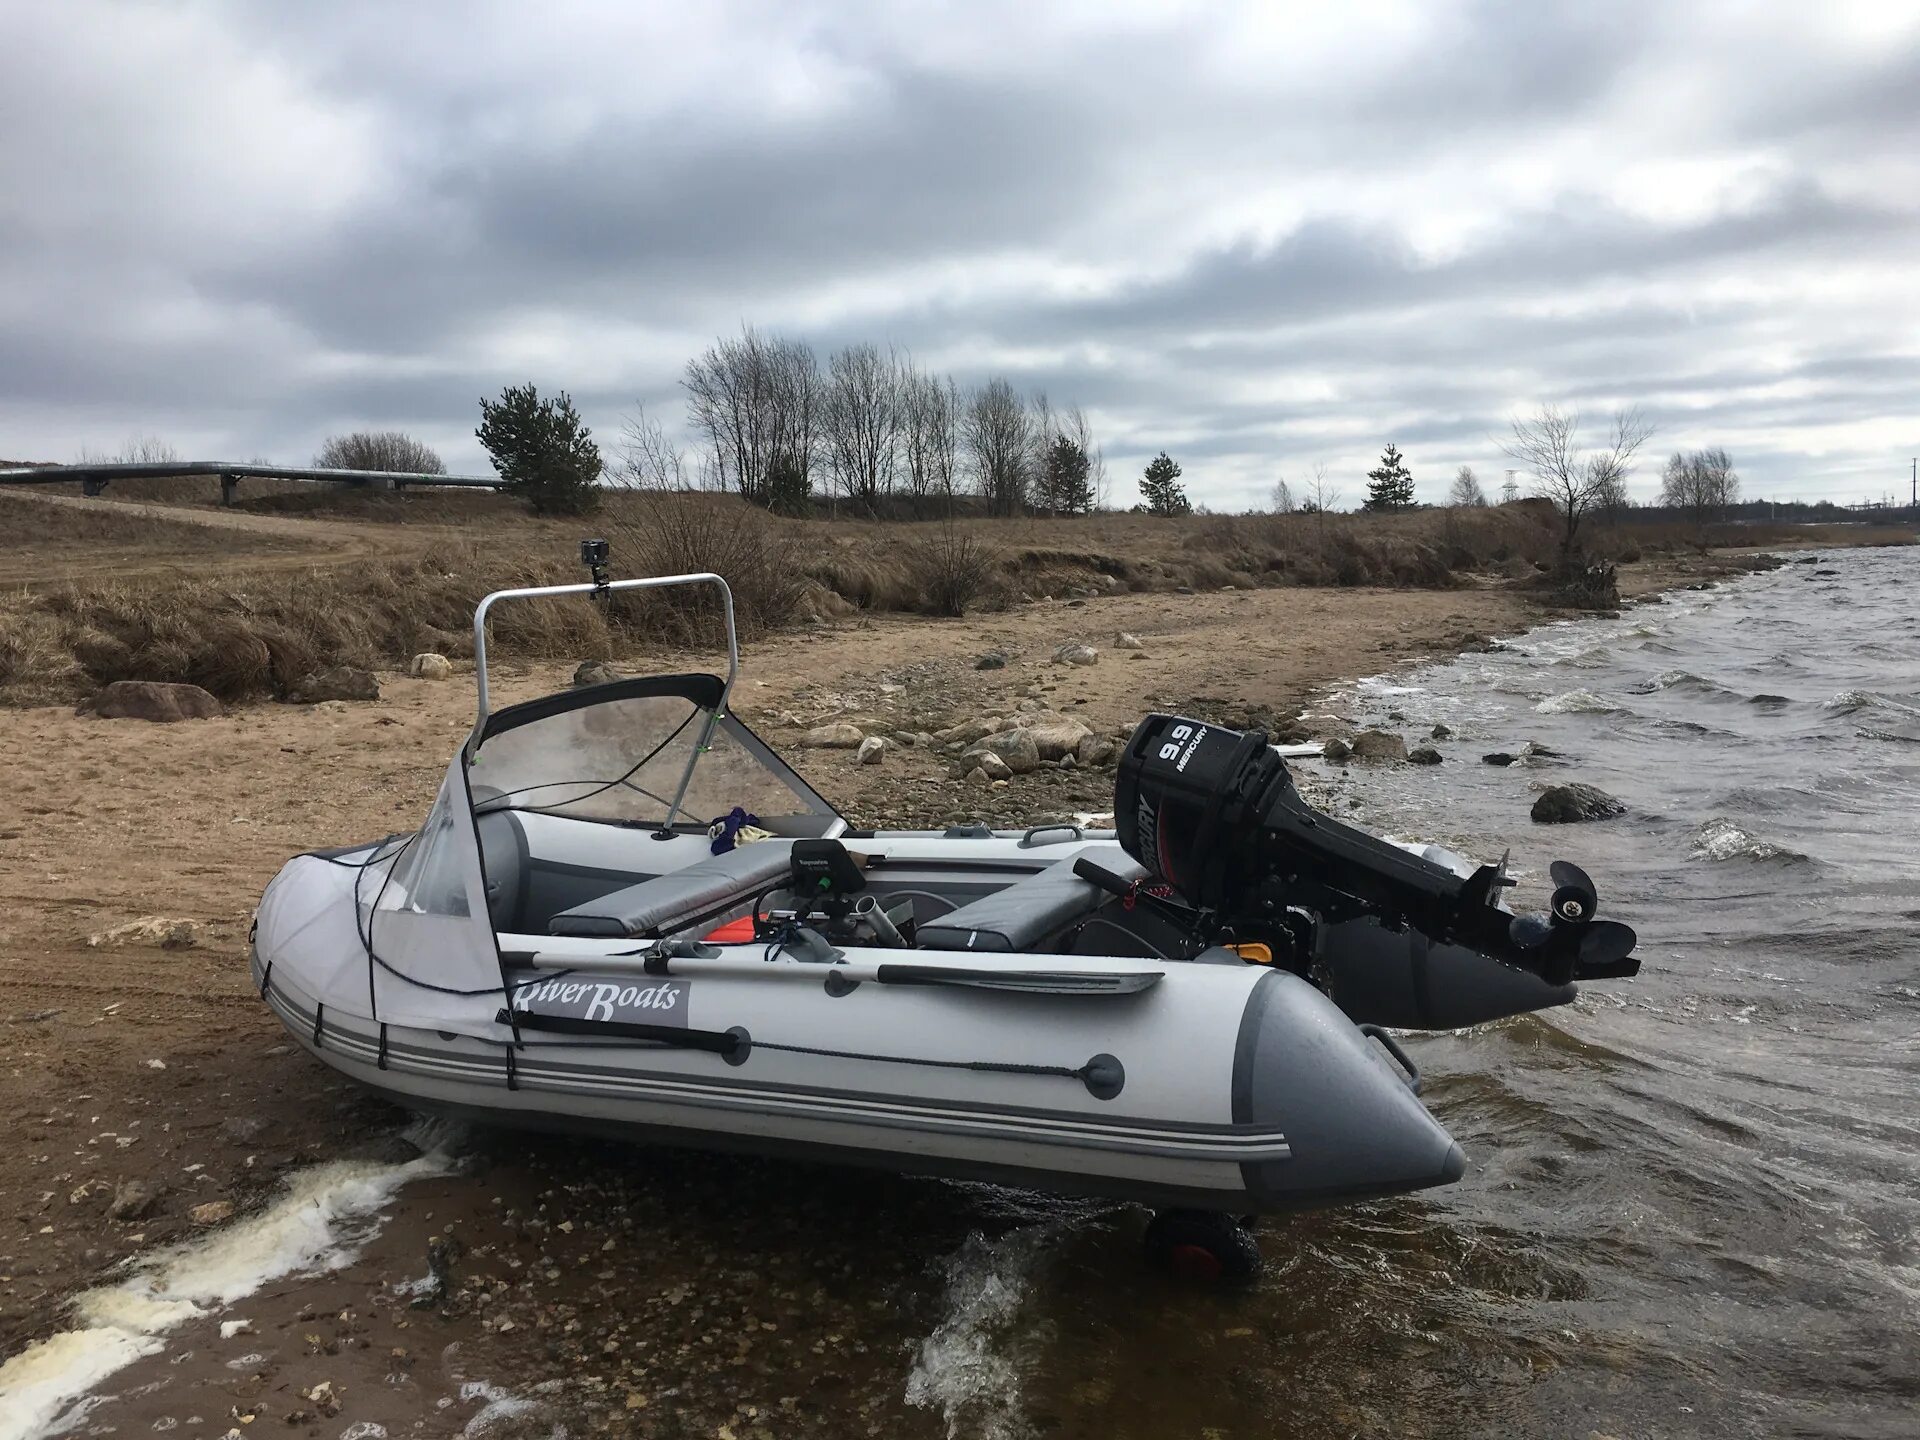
[{"x": 1255, "y": 236}]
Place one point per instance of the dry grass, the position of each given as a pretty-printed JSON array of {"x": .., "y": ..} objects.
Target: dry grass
[
  {"x": 252, "y": 637},
  {"x": 27, "y": 524}
]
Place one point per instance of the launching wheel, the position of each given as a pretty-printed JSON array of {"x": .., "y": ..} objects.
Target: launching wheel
[{"x": 1203, "y": 1245}]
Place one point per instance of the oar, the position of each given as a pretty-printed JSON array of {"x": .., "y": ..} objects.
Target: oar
[{"x": 923, "y": 970}]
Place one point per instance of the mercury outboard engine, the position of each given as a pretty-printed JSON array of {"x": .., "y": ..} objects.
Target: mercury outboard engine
[{"x": 1214, "y": 814}]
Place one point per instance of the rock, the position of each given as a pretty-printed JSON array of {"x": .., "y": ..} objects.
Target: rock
[
  {"x": 1540, "y": 752},
  {"x": 837, "y": 736},
  {"x": 1065, "y": 762},
  {"x": 1125, "y": 641},
  {"x": 1569, "y": 804},
  {"x": 872, "y": 750},
  {"x": 429, "y": 666},
  {"x": 1441, "y": 732},
  {"x": 968, "y": 731},
  {"x": 1336, "y": 750},
  {"x": 1095, "y": 750},
  {"x": 242, "y": 1128},
  {"x": 1379, "y": 745},
  {"x": 152, "y": 700},
  {"x": 211, "y": 1213},
  {"x": 1335, "y": 727},
  {"x": 992, "y": 660},
  {"x": 1016, "y": 747},
  {"x": 1075, "y": 653},
  {"x": 1498, "y": 757},
  {"x": 155, "y": 930},
  {"x": 905, "y": 739},
  {"x": 979, "y": 776},
  {"x": 594, "y": 672},
  {"x": 338, "y": 682},
  {"x": 131, "y": 1200},
  {"x": 1423, "y": 755},
  {"x": 1054, "y": 734},
  {"x": 1183, "y": 589},
  {"x": 996, "y": 768}
]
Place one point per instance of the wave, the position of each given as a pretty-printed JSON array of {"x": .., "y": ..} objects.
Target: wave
[
  {"x": 1721, "y": 839},
  {"x": 1848, "y": 702},
  {"x": 1685, "y": 682},
  {"x": 1576, "y": 702}
]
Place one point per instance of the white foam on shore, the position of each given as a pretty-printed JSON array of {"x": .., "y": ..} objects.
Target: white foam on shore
[
  {"x": 970, "y": 1367},
  {"x": 327, "y": 1214}
]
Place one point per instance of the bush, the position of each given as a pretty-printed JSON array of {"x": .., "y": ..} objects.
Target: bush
[
  {"x": 542, "y": 451},
  {"x": 682, "y": 534},
  {"x": 379, "y": 450},
  {"x": 955, "y": 569}
]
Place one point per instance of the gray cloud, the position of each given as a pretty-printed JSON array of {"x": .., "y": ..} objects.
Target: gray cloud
[{"x": 1257, "y": 237}]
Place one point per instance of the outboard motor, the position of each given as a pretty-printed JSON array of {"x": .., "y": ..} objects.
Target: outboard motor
[{"x": 1215, "y": 814}]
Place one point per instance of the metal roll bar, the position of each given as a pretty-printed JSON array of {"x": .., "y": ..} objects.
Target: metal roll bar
[{"x": 659, "y": 582}]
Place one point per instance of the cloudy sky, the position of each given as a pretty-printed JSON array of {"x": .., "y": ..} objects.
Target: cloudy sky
[{"x": 1256, "y": 236}]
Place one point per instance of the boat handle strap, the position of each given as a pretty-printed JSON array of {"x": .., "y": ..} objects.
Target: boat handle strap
[{"x": 1392, "y": 1047}]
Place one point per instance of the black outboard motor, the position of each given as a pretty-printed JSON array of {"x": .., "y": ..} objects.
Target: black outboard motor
[{"x": 1215, "y": 814}]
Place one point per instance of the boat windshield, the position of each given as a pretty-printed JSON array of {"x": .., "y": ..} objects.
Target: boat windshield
[{"x": 621, "y": 761}]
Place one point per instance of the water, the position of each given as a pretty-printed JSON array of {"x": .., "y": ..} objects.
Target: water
[{"x": 1694, "y": 1200}]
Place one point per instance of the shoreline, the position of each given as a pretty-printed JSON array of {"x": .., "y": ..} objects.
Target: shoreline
[{"x": 230, "y": 1108}]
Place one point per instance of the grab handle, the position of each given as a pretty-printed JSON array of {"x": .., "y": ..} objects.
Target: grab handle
[
  {"x": 1028, "y": 842},
  {"x": 1392, "y": 1047}
]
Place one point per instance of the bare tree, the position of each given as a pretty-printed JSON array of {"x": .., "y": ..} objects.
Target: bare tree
[
  {"x": 1281, "y": 502},
  {"x": 998, "y": 437},
  {"x": 139, "y": 450},
  {"x": 649, "y": 459},
  {"x": 860, "y": 422},
  {"x": 1466, "y": 491},
  {"x": 1700, "y": 485},
  {"x": 1075, "y": 426},
  {"x": 755, "y": 400},
  {"x": 1575, "y": 479},
  {"x": 930, "y": 435},
  {"x": 379, "y": 450}
]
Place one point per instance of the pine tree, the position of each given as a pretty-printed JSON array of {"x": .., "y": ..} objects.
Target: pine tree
[
  {"x": 1160, "y": 488},
  {"x": 1390, "y": 486},
  {"x": 1066, "y": 485},
  {"x": 542, "y": 451}
]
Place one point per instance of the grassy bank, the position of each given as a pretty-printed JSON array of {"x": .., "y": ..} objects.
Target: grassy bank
[{"x": 244, "y": 630}]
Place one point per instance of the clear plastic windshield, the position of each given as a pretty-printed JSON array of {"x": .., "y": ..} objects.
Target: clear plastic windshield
[{"x": 623, "y": 761}]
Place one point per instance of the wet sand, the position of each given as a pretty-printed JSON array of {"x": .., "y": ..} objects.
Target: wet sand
[{"x": 649, "y": 1292}]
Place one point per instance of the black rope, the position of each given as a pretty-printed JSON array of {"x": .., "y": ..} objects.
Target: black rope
[
  {"x": 996, "y": 1067},
  {"x": 602, "y": 788},
  {"x": 513, "y": 1074},
  {"x": 266, "y": 980},
  {"x": 319, "y": 1010}
]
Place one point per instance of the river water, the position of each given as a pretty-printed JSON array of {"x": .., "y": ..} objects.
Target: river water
[
  {"x": 1693, "y": 1199},
  {"x": 1693, "y": 1204}
]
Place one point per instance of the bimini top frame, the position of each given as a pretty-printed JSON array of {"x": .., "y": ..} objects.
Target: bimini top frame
[{"x": 605, "y": 587}]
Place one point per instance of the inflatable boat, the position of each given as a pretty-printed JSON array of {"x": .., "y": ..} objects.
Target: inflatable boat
[{"x": 625, "y": 914}]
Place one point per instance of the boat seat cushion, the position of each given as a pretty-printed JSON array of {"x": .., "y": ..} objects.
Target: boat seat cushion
[
  {"x": 679, "y": 897},
  {"x": 1023, "y": 916}
]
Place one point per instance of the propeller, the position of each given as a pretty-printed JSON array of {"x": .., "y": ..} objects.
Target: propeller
[
  {"x": 1605, "y": 948},
  {"x": 1574, "y": 898}
]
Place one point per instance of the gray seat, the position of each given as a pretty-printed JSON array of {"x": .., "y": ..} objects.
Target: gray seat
[
  {"x": 1026, "y": 913},
  {"x": 680, "y": 897}
]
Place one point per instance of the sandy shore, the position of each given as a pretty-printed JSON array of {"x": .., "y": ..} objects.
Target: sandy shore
[{"x": 127, "y": 1061}]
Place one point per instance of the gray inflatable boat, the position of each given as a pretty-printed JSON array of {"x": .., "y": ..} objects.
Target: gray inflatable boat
[{"x": 1188, "y": 1011}]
